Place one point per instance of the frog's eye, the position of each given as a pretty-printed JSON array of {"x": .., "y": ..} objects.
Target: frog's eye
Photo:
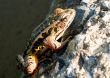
[{"x": 62, "y": 19}]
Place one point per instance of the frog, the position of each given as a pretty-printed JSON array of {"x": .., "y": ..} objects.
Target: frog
[{"x": 47, "y": 39}]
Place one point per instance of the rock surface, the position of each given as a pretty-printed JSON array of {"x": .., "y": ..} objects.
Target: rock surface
[{"x": 88, "y": 54}]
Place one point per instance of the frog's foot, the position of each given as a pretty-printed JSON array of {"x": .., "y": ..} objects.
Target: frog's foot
[{"x": 64, "y": 43}]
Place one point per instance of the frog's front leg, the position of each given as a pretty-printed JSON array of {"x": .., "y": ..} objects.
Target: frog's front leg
[{"x": 54, "y": 44}]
